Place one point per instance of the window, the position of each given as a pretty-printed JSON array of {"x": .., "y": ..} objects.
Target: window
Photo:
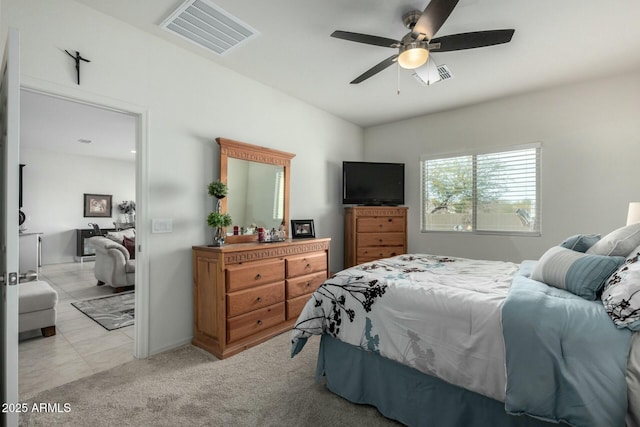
[{"x": 487, "y": 192}]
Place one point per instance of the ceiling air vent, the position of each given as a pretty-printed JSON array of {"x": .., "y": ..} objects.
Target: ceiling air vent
[
  {"x": 432, "y": 73},
  {"x": 444, "y": 72},
  {"x": 208, "y": 25}
]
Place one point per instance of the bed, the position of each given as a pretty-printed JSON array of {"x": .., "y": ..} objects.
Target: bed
[{"x": 445, "y": 341}]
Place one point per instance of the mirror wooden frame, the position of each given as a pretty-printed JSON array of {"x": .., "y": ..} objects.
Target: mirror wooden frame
[{"x": 254, "y": 153}]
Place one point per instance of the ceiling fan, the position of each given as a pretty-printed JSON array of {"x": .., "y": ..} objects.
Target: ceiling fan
[{"x": 414, "y": 48}]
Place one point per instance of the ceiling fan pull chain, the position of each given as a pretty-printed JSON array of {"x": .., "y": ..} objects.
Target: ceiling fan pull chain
[{"x": 398, "y": 81}]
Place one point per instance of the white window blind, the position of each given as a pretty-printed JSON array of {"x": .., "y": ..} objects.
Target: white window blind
[{"x": 496, "y": 192}]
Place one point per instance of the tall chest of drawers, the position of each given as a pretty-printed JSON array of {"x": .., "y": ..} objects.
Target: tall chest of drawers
[
  {"x": 374, "y": 232},
  {"x": 246, "y": 293}
]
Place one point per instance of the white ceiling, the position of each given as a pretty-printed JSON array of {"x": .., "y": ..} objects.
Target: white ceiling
[
  {"x": 56, "y": 124},
  {"x": 556, "y": 42}
]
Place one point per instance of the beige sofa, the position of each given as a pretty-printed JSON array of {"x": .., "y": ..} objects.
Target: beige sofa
[{"x": 114, "y": 266}]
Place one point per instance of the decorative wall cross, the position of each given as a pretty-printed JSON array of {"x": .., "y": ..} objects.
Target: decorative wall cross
[{"x": 77, "y": 58}]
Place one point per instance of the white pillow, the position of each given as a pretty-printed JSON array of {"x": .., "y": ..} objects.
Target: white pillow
[
  {"x": 619, "y": 242},
  {"x": 621, "y": 295},
  {"x": 634, "y": 254},
  {"x": 118, "y": 236}
]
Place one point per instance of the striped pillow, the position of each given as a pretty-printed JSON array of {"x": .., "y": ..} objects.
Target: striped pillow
[{"x": 581, "y": 274}]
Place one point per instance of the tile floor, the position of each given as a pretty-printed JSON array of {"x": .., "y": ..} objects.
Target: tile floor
[{"x": 81, "y": 347}]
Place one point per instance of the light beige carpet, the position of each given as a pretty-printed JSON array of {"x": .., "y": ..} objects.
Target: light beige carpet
[{"x": 187, "y": 386}]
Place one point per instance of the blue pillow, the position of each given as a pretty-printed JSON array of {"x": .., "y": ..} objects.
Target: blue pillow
[
  {"x": 580, "y": 242},
  {"x": 581, "y": 274}
]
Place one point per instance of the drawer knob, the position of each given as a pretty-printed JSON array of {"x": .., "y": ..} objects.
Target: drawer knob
[
  {"x": 390, "y": 220},
  {"x": 307, "y": 266},
  {"x": 259, "y": 322},
  {"x": 258, "y": 276},
  {"x": 259, "y": 299},
  {"x": 308, "y": 284}
]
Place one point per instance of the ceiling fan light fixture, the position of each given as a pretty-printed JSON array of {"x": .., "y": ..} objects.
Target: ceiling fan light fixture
[{"x": 413, "y": 55}]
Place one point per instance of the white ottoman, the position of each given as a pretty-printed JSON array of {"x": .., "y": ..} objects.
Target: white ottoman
[{"x": 37, "y": 307}]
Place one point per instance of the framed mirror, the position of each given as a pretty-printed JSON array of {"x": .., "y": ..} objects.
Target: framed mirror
[{"x": 258, "y": 181}]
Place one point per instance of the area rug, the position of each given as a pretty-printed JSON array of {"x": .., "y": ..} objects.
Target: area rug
[{"x": 111, "y": 312}]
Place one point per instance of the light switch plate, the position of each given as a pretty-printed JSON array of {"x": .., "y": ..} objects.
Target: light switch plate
[{"x": 161, "y": 225}]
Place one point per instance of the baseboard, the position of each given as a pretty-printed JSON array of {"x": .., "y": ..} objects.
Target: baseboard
[{"x": 170, "y": 346}]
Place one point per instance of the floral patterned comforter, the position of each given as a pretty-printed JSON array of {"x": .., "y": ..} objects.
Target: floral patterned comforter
[{"x": 440, "y": 315}]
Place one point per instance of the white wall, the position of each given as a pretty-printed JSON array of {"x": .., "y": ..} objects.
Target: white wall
[
  {"x": 191, "y": 101},
  {"x": 53, "y": 201},
  {"x": 589, "y": 160}
]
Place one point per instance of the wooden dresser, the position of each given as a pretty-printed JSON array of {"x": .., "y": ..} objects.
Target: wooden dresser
[
  {"x": 374, "y": 232},
  {"x": 246, "y": 293}
]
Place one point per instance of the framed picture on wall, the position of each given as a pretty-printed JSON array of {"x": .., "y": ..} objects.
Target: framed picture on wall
[
  {"x": 302, "y": 228},
  {"x": 97, "y": 205}
]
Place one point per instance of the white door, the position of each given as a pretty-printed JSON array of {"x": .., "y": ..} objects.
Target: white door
[{"x": 9, "y": 182}]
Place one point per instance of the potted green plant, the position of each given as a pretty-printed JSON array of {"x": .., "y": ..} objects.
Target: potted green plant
[
  {"x": 128, "y": 209},
  {"x": 218, "y": 221},
  {"x": 218, "y": 189}
]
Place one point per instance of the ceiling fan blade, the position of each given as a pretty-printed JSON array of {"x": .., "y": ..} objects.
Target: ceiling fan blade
[
  {"x": 375, "y": 69},
  {"x": 365, "y": 38},
  {"x": 434, "y": 15},
  {"x": 470, "y": 40}
]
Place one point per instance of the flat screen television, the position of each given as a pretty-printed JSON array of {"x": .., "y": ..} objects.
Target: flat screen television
[{"x": 371, "y": 183}]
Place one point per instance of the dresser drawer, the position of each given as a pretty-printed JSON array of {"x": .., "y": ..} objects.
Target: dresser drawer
[
  {"x": 373, "y": 253},
  {"x": 248, "y": 324},
  {"x": 380, "y": 224},
  {"x": 253, "y": 274},
  {"x": 305, "y": 264},
  {"x": 295, "y": 306},
  {"x": 248, "y": 300},
  {"x": 380, "y": 239},
  {"x": 304, "y": 284}
]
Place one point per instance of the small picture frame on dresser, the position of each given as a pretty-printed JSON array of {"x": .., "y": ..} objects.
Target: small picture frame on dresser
[{"x": 302, "y": 228}]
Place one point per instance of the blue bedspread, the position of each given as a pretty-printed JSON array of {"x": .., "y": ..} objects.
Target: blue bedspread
[{"x": 566, "y": 360}]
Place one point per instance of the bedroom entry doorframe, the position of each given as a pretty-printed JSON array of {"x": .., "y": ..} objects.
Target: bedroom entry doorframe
[{"x": 141, "y": 327}]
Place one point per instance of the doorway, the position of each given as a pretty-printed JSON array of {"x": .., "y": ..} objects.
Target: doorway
[{"x": 60, "y": 265}]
